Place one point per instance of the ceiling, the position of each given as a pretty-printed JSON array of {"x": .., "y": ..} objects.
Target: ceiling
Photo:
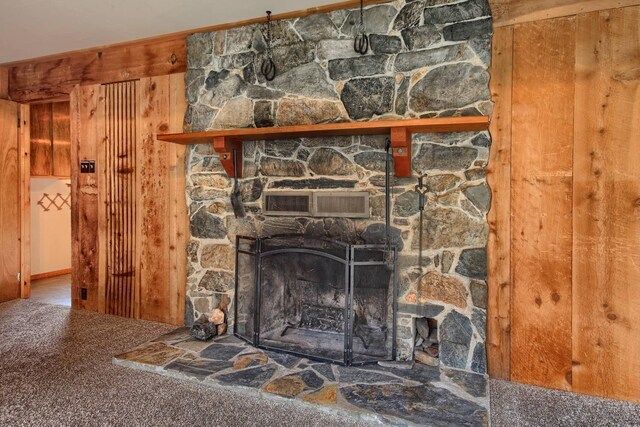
[{"x": 34, "y": 28}]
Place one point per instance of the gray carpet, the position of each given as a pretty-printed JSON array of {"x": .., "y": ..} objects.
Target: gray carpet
[
  {"x": 55, "y": 369},
  {"x": 523, "y": 405}
]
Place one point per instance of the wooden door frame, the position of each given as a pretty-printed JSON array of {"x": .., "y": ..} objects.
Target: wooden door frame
[{"x": 24, "y": 165}]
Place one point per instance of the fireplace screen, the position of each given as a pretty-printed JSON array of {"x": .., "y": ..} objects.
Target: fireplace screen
[{"x": 317, "y": 298}]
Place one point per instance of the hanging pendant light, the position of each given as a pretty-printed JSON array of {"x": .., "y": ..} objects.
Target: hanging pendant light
[
  {"x": 361, "y": 41},
  {"x": 268, "y": 67}
]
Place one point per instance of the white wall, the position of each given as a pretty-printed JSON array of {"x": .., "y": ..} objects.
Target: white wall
[{"x": 50, "y": 230}]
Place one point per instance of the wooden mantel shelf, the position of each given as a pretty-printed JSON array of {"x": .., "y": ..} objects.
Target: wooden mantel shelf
[{"x": 400, "y": 131}]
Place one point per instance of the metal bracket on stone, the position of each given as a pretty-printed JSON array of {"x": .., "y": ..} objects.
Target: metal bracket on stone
[
  {"x": 224, "y": 146},
  {"x": 401, "y": 145}
]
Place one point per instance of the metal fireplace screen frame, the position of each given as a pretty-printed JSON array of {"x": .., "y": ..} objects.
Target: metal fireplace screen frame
[{"x": 249, "y": 290}]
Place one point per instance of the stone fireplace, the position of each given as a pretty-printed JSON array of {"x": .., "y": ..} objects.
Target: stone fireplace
[{"x": 427, "y": 59}]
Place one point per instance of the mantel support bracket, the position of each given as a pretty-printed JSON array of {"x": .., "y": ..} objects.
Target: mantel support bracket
[
  {"x": 401, "y": 146},
  {"x": 224, "y": 146}
]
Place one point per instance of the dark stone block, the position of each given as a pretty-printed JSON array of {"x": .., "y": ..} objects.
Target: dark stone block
[
  {"x": 474, "y": 384},
  {"x": 251, "y": 189},
  {"x": 455, "y": 338},
  {"x": 199, "y": 369},
  {"x": 479, "y": 293},
  {"x": 424, "y": 310},
  {"x": 355, "y": 375},
  {"x": 376, "y": 234},
  {"x": 263, "y": 114},
  {"x": 450, "y": 86},
  {"x": 311, "y": 379},
  {"x": 402, "y": 97},
  {"x": 314, "y": 184},
  {"x": 433, "y": 156},
  {"x": 217, "y": 281},
  {"x": 271, "y": 166},
  {"x": 325, "y": 370},
  {"x": 316, "y": 27},
  {"x": 281, "y": 149},
  {"x": 194, "y": 79},
  {"x": 381, "y": 44},
  {"x": 480, "y": 196},
  {"x": 287, "y": 57},
  {"x": 421, "y": 37},
  {"x": 479, "y": 361},
  {"x": 200, "y": 48},
  {"x": 221, "y": 351},
  {"x": 482, "y": 47},
  {"x": 406, "y": 204},
  {"x": 188, "y": 312},
  {"x": 457, "y": 12},
  {"x": 416, "y": 404},
  {"x": 283, "y": 359},
  {"x": 359, "y": 66},
  {"x": 198, "y": 118},
  {"x": 481, "y": 140},
  {"x": 327, "y": 161},
  {"x": 479, "y": 320},
  {"x": 365, "y": 97},
  {"x": 254, "y": 377},
  {"x": 474, "y": 174},
  {"x": 214, "y": 78},
  {"x": 261, "y": 92},
  {"x": 206, "y": 226},
  {"x": 473, "y": 263},
  {"x": 409, "y": 15},
  {"x": 372, "y": 160},
  {"x": 425, "y": 58},
  {"x": 466, "y": 30}
]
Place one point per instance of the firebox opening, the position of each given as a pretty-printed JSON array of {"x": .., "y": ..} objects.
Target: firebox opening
[
  {"x": 321, "y": 299},
  {"x": 427, "y": 347}
]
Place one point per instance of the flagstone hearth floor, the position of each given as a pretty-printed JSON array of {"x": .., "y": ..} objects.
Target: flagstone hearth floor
[{"x": 392, "y": 393}]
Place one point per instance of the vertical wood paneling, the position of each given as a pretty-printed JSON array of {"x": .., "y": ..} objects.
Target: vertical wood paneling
[
  {"x": 153, "y": 188},
  {"x": 61, "y": 157},
  {"x": 541, "y": 202},
  {"x": 606, "y": 203},
  {"x": 24, "y": 145},
  {"x": 9, "y": 202},
  {"x": 499, "y": 217},
  {"x": 41, "y": 126},
  {"x": 179, "y": 224},
  {"x": 120, "y": 203},
  {"x": 84, "y": 197}
]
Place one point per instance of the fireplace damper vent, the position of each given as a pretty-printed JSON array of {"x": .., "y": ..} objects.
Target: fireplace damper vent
[
  {"x": 345, "y": 204},
  {"x": 317, "y": 298}
]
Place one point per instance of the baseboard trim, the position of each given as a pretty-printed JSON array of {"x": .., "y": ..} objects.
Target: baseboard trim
[{"x": 50, "y": 274}]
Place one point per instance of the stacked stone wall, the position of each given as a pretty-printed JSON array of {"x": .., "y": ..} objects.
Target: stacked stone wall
[{"x": 428, "y": 58}]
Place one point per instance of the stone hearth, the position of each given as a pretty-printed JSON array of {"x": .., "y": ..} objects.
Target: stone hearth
[{"x": 393, "y": 393}]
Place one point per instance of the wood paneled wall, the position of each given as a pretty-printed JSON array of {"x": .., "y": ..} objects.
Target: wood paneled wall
[
  {"x": 130, "y": 218},
  {"x": 564, "y": 252}
]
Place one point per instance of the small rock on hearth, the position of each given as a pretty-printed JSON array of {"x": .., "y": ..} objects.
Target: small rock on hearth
[
  {"x": 217, "y": 316},
  {"x": 222, "y": 328},
  {"x": 203, "y": 330},
  {"x": 422, "y": 326},
  {"x": 425, "y": 358}
]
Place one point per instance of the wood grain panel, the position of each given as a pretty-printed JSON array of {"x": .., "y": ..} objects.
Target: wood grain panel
[
  {"x": 4, "y": 83},
  {"x": 509, "y": 12},
  {"x": 54, "y": 79},
  {"x": 40, "y": 134},
  {"x": 541, "y": 224},
  {"x": 179, "y": 226},
  {"x": 153, "y": 188},
  {"x": 9, "y": 202},
  {"x": 85, "y": 243},
  {"x": 499, "y": 217},
  {"x": 24, "y": 143},
  {"x": 606, "y": 203},
  {"x": 120, "y": 111},
  {"x": 61, "y": 140}
]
